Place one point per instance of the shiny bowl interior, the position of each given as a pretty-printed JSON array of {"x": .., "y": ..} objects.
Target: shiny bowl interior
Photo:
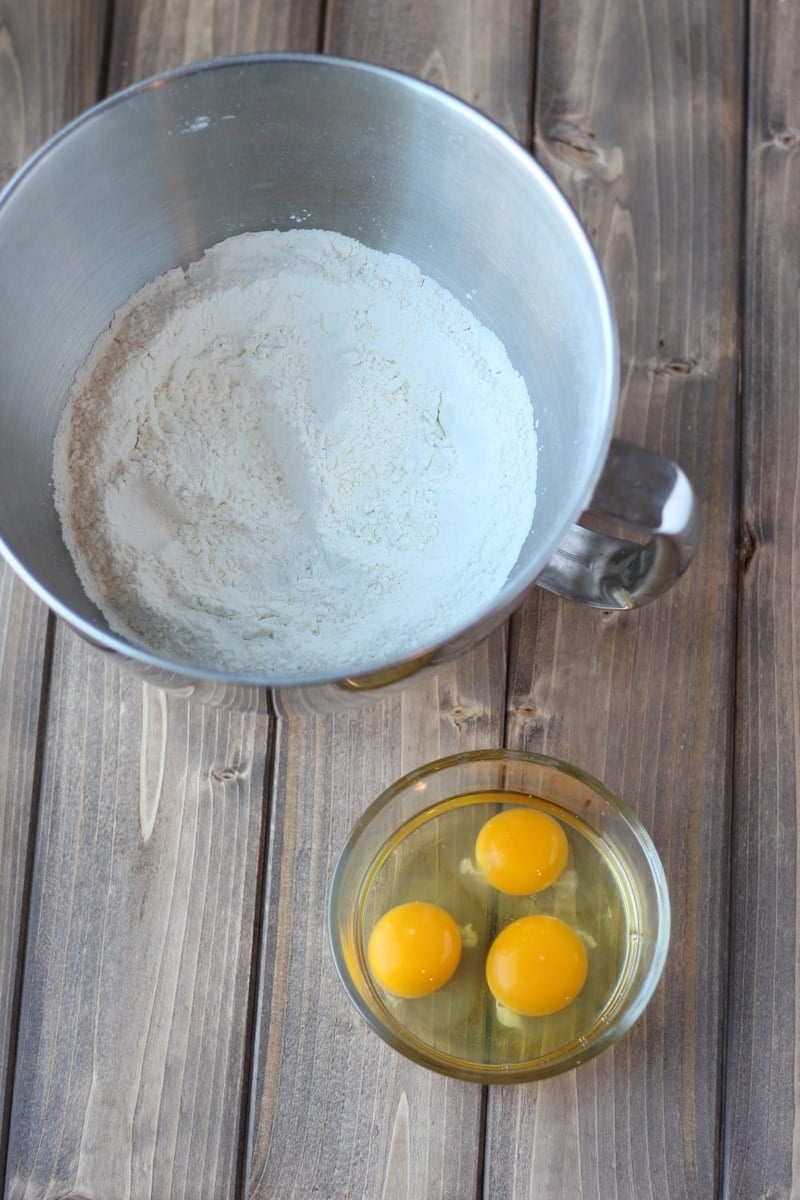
[{"x": 503, "y": 1057}]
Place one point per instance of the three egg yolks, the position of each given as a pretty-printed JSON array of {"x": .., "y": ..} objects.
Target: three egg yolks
[
  {"x": 414, "y": 949},
  {"x": 536, "y": 966},
  {"x": 521, "y": 851}
]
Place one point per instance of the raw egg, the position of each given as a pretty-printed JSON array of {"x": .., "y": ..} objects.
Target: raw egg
[
  {"x": 414, "y": 949},
  {"x": 537, "y": 965},
  {"x": 521, "y": 851}
]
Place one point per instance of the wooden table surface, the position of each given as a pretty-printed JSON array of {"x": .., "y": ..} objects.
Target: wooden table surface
[{"x": 171, "y": 1024}]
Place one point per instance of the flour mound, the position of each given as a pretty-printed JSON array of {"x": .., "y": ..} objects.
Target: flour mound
[{"x": 297, "y": 456}]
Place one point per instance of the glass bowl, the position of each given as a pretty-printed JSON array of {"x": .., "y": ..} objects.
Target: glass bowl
[{"x": 416, "y": 843}]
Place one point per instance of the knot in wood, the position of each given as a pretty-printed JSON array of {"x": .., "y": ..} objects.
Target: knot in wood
[
  {"x": 225, "y": 774},
  {"x": 463, "y": 714},
  {"x": 676, "y": 368},
  {"x": 748, "y": 544},
  {"x": 579, "y": 149}
]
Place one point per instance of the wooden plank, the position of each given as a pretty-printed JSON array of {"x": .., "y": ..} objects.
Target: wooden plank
[
  {"x": 639, "y": 120},
  {"x": 135, "y": 1006},
  {"x": 333, "y": 1107},
  {"x": 50, "y": 61},
  {"x": 761, "y": 1144},
  {"x": 49, "y": 68},
  {"x": 23, "y": 624},
  {"x": 135, "y": 996},
  {"x": 153, "y": 35},
  {"x": 482, "y": 55},
  {"x": 335, "y": 1112}
]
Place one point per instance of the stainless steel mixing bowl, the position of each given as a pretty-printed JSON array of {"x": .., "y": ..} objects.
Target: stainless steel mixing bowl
[{"x": 154, "y": 175}]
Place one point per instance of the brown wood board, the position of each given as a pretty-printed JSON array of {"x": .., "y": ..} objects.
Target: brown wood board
[
  {"x": 333, "y": 1107},
  {"x": 23, "y": 625},
  {"x": 135, "y": 997},
  {"x": 761, "y": 1150}
]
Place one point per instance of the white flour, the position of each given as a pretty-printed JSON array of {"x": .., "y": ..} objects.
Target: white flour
[{"x": 297, "y": 456}]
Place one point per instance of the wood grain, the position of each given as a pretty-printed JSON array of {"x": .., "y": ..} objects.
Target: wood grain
[
  {"x": 335, "y": 1112},
  {"x": 762, "y": 1135},
  {"x": 135, "y": 999},
  {"x": 49, "y": 70},
  {"x": 51, "y": 57},
  {"x": 23, "y": 624},
  {"x": 152, "y": 36},
  {"x": 638, "y": 118},
  {"x": 480, "y": 52}
]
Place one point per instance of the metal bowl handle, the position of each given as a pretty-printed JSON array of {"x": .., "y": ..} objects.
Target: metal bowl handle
[{"x": 645, "y": 492}]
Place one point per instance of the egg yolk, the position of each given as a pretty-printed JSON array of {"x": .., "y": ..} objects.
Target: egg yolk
[
  {"x": 536, "y": 966},
  {"x": 521, "y": 851},
  {"x": 414, "y": 949}
]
